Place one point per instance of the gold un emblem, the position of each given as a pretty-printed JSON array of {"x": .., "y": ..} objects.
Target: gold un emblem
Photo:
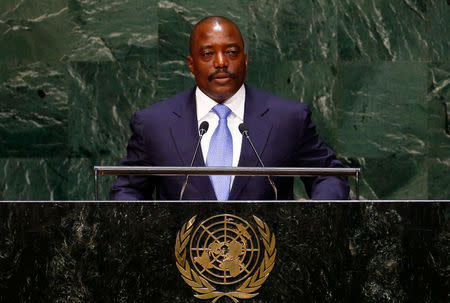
[{"x": 222, "y": 256}]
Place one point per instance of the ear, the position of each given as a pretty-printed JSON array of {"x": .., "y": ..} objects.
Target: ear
[
  {"x": 190, "y": 64},
  {"x": 246, "y": 62}
]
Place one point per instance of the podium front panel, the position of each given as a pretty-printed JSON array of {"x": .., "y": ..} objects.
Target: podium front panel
[{"x": 340, "y": 251}]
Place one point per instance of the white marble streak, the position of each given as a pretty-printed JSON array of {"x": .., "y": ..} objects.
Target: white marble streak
[{"x": 47, "y": 16}]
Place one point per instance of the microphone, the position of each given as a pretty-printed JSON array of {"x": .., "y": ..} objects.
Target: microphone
[
  {"x": 244, "y": 131},
  {"x": 201, "y": 131}
]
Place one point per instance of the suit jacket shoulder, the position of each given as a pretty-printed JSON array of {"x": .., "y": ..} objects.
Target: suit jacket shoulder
[{"x": 282, "y": 112}]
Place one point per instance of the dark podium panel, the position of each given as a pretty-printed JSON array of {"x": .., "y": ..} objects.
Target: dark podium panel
[{"x": 353, "y": 251}]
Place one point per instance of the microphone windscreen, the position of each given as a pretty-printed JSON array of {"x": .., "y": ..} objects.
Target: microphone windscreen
[
  {"x": 242, "y": 128},
  {"x": 204, "y": 126}
]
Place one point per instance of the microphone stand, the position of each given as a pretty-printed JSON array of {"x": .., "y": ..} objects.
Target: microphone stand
[
  {"x": 202, "y": 130},
  {"x": 244, "y": 132}
]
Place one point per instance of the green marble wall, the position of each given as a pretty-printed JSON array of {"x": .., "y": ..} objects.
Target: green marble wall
[{"x": 375, "y": 72}]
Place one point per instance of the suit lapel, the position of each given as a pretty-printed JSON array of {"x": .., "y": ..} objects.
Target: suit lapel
[
  {"x": 184, "y": 133},
  {"x": 256, "y": 117}
]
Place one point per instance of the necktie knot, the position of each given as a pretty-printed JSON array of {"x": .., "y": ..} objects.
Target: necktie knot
[{"x": 222, "y": 111}]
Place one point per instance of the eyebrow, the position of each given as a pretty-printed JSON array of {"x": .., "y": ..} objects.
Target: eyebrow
[
  {"x": 228, "y": 45},
  {"x": 233, "y": 45},
  {"x": 205, "y": 47}
]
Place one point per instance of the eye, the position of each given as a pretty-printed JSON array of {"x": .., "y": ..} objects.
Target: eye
[
  {"x": 207, "y": 54},
  {"x": 232, "y": 52}
]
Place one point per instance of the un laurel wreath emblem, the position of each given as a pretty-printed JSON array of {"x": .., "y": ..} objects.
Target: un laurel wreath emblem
[{"x": 223, "y": 256}]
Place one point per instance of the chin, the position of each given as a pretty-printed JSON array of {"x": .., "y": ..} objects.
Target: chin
[
  {"x": 222, "y": 97},
  {"x": 224, "y": 94}
]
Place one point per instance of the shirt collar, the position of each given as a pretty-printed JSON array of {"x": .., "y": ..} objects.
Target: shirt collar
[{"x": 205, "y": 104}]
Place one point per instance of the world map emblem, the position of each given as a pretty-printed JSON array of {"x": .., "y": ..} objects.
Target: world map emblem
[{"x": 225, "y": 256}]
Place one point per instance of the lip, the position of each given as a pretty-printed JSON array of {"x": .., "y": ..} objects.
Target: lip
[{"x": 222, "y": 78}]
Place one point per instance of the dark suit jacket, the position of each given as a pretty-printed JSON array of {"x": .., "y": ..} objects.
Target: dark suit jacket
[{"x": 166, "y": 133}]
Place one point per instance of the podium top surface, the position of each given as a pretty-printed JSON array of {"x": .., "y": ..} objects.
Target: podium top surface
[{"x": 232, "y": 202}]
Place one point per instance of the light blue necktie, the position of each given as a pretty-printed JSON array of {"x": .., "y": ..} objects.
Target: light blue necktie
[{"x": 220, "y": 152}]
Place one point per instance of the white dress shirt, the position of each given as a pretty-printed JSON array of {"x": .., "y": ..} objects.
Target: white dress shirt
[{"x": 204, "y": 113}]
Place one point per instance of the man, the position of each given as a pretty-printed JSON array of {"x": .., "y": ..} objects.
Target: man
[{"x": 165, "y": 134}]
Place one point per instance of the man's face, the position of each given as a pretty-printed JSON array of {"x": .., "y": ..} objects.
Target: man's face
[{"x": 218, "y": 60}]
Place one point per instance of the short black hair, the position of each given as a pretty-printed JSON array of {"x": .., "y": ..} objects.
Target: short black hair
[{"x": 211, "y": 19}]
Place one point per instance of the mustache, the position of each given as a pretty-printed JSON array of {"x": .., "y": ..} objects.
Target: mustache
[{"x": 231, "y": 75}]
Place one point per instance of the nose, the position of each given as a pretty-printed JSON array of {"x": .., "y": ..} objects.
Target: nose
[{"x": 220, "y": 61}]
